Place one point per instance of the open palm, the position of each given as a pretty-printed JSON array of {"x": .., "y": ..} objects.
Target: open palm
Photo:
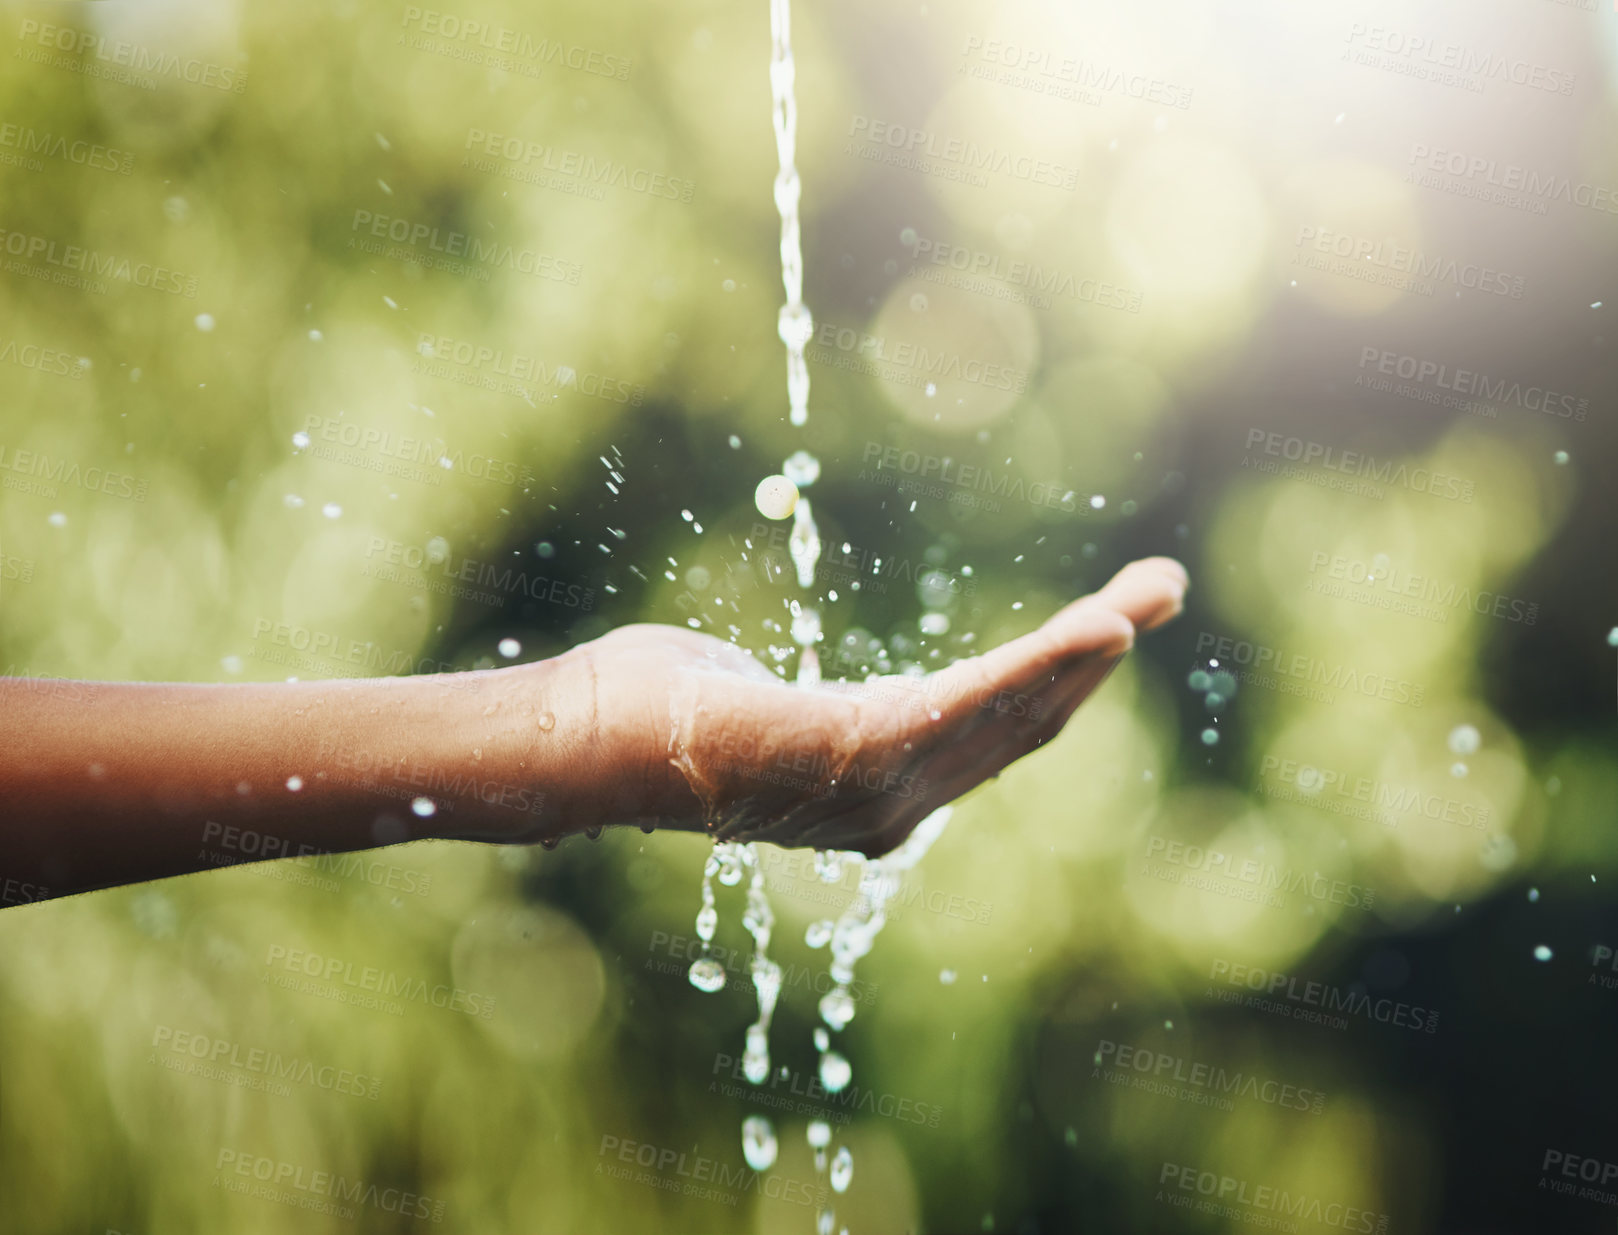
[{"x": 696, "y": 734}]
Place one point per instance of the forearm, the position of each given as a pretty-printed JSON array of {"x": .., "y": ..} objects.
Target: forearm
[{"x": 109, "y": 783}]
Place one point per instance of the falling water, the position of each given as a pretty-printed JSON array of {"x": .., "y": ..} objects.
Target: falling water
[{"x": 777, "y": 497}]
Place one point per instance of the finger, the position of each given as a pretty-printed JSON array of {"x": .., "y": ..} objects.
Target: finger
[
  {"x": 1141, "y": 596},
  {"x": 1073, "y": 635},
  {"x": 1148, "y": 592},
  {"x": 962, "y": 766}
]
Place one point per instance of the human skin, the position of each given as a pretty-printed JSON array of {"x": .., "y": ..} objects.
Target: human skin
[{"x": 657, "y": 726}]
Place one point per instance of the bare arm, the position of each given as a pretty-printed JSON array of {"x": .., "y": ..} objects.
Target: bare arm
[
  {"x": 109, "y": 783},
  {"x": 105, "y": 783}
]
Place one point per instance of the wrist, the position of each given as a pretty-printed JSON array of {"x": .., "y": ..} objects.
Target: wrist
[{"x": 510, "y": 752}]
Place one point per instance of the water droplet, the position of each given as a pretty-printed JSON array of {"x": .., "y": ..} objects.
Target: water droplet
[
  {"x": 819, "y": 933},
  {"x": 1542, "y": 953},
  {"x": 294, "y": 783},
  {"x": 947, "y": 977},
  {"x": 332, "y": 510},
  {"x": 550, "y": 842},
  {"x": 819, "y": 1134},
  {"x": 510, "y": 648},
  {"x": 315, "y": 336},
  {"x": 594, "y": 833},
  {"x": 1071, "y": 1137},
  {"x": 776, "y": 497},
  {"x": 545, "y": 721},
  {"x": 918, "y": 302},
  {"x": 835, "y": 1072},
  {"x": 1560, "y": 457},
  {"x": 1199, "y": 680},
  {"x": 822, "y": 1038},
  {"x": 1097, "y": 502},
  {"x": 1464, "y": 740},
  {"x": 293, "y": 501},
  {"x": 934, "y": 623},
  {"x": 1457, "y": 769},
  {"x": 842, "y": 1169},
  {"x": 758, "y": 1142},
  {"x": 424, "y": 807},
  {"x": 1210, "y": 737},
  {"x": 836, "y": 1008},
  {"x": 707, "y": 922},
  {"x": 1533, "y": 894},
  {"x": 735, "y": 442},
  {"x": 707, "y": 974},
  {"x": 801, "y": 468},
  {"x": 204, "y": 322}
]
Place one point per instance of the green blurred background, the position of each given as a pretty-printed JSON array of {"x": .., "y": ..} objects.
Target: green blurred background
[{"x": 262, "y": 402}]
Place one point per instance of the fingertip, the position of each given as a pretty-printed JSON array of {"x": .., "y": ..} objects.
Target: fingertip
[{"x": 1097, "y": 629}]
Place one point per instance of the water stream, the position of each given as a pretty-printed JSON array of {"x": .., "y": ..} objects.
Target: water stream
[{"x": 854, "y": 933}]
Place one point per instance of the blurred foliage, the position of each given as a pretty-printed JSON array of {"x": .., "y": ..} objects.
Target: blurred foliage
[{"x": 275, "y": 455}]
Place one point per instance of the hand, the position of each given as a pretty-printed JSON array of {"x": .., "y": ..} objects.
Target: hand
[{"x": 693, "y": 733}]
